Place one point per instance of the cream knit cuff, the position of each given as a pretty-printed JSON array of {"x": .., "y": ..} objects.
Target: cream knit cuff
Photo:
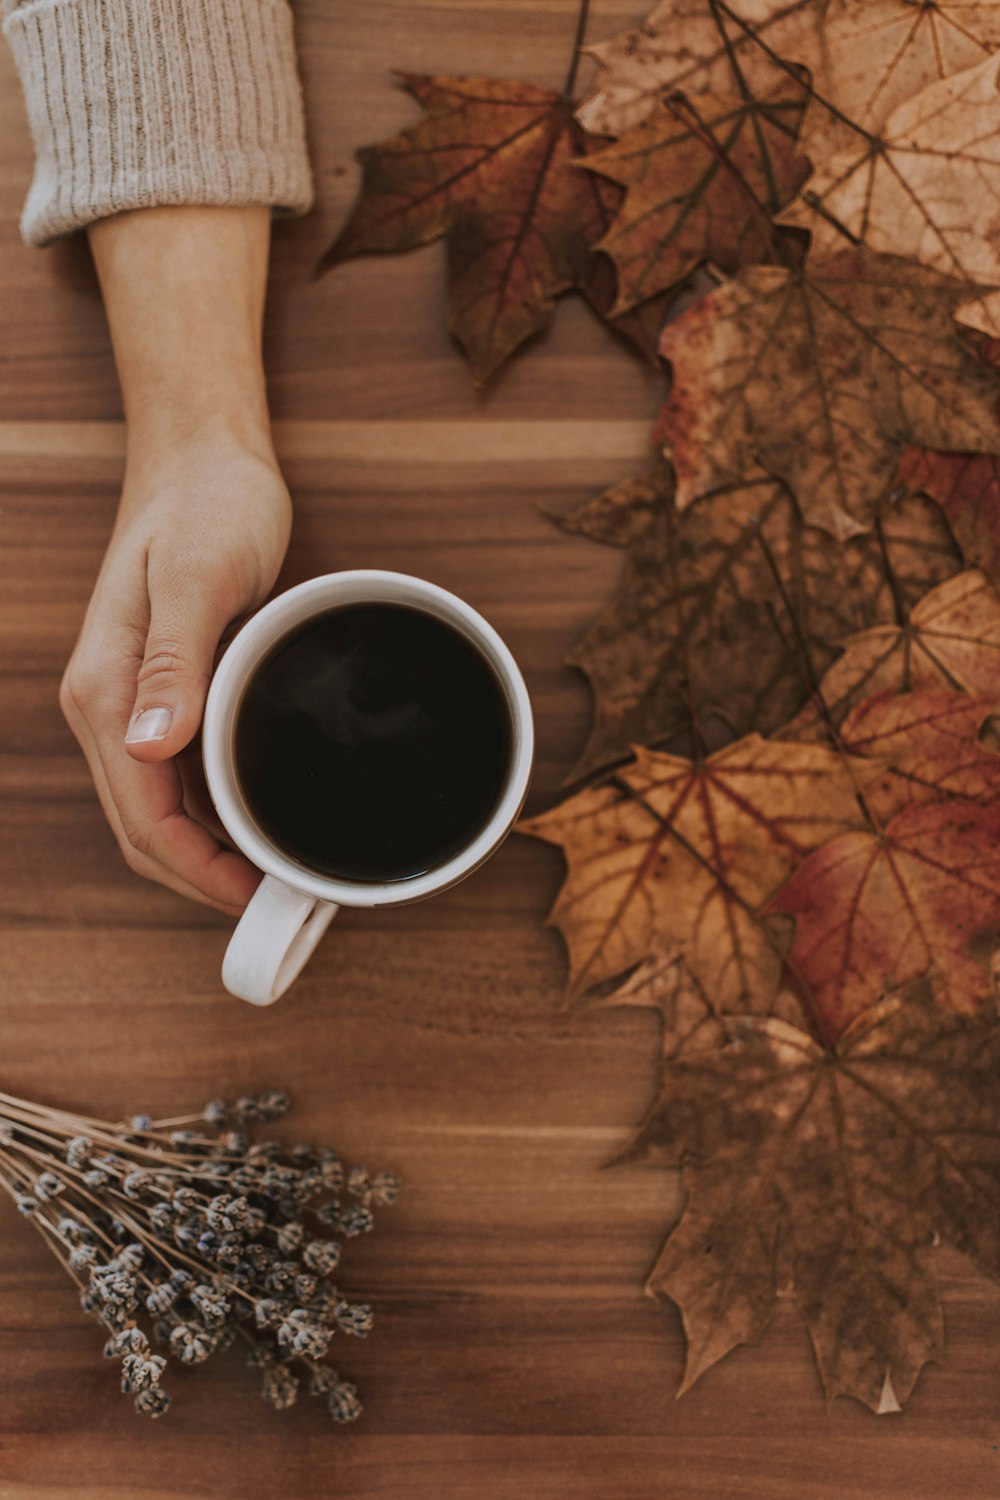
[{"x": 139, "y": 102}]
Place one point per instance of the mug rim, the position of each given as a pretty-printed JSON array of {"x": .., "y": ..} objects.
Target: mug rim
[{"x": 294, "y": 606}]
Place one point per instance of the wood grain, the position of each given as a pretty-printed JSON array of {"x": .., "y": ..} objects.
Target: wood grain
[{"x": 514, "y": 1354}]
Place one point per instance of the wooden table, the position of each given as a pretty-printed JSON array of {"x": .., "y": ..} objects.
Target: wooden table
[{"x": 514, "y": 1356}]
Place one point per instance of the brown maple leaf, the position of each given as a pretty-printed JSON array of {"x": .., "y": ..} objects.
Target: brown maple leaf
[
  {"x": 829, "y": 1177},
  {"x": 694, "y": 47},
  {"x": 703, "y": 175},
  {"x": 731, "y": 608},
  {"x": 864, "y": 57},
  {"x": 951, "y": 639},
  {"x": 675, "y": 857},
  {"x": 823, "y": 376},
  {"x": 689, "y": 1021},
  {"x": 489, "y": 168},
  {"x": 930, "y": 742},
  {"x": 642, "y": 323},
  {"x": 928, "y": 188},
  {"x": 967, "y": 488},
  {"x": 876, "y": 911}
]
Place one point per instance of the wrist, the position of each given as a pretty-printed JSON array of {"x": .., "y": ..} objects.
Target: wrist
[
  {"x": 158, "y": 429},
  {"x": 209, "y": 465},
  {"x": 184, "y": 289}
]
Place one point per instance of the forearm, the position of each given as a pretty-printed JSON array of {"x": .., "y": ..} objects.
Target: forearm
[
  {"x": 184, "y": 291},
  {"x": 201, "y": 531}
]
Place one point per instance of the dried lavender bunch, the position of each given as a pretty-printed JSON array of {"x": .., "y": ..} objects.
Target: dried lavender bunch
[{"x": 184, "y": 1235}]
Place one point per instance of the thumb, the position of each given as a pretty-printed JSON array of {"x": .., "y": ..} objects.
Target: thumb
[{"x": 172, "y": 683}]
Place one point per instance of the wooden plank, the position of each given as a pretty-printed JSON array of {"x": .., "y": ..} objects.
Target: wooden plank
[{"x": 473, "y": 440}]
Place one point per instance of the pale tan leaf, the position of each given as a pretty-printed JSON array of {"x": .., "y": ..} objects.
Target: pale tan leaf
[
  {"x": 928, "y": 188},
  {"x": 950, "y": 639},
  {"x": 864, "y": 58}
]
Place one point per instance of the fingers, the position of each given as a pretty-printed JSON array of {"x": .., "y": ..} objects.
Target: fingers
[
  {"x": 144, "y": 804},
  {"x": 197, "y": 802},
  {"x": 145, "y": 807},
  {"x": 187, "y": 619}
]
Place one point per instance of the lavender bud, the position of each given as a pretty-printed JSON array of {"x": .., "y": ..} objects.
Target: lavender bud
[
  {"x": 152, "y": 1402},
  {"x": 343, "y": 1402},
  {"x": 77, "y": 1150},
  {"x": 131, "y": 1341},
  {"x": 322, "y": 1380},
  {"x": 48, "y": 1185},
  {"x": 357, "y": 1319},
  {"x": 385, "y": 1187},
  {"x": 322, "y": 1256},
  {"x": 192, "y": 1346},
  {"x": 356, "y": 1219},
  {"x": 161, "y": 1216},
  {"x": 266, "y": 1311},
  {"x": 130, "y": 1257},
  {"x": 137, "y": 1184},
  {"x": 211, "y": 1305},
  {"x": 290, "y": 1237},
  {"x": 162, "y": 1298},
  {"x": 279, "y": 1387},
  {"x": 272, "y": 1104},
  {"x": 331, "y": 1169}
]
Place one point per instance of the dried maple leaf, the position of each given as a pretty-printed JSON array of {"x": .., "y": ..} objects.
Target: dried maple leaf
[
  {"x": 875, "y": 911},
  {"x": 641, "y": 324},
  {"x": 694, "y": 46},
  {"x": 823, "y": 376},
  {"x": 839, "y": 1171},
  {"x": 864, "y": 56},
  {"x": 929, "y": 740},
  {"x": 732, "y": 607},
  {"x": 666, "y": 985},
  {"x": 676, "y": 856},
  {"x": 951, "y": 638},
  {"x": 704, "y": 176},
  {"x": 927, "y": 188},
  {"x": 489, "y": 168},
  {"x": 967, "y": 488}
]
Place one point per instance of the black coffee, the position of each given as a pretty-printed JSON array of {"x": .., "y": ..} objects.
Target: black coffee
[{"x": 373, "y": 743}]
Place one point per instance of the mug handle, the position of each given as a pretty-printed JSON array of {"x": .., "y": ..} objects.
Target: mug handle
[{"x": 273, "y": 939}]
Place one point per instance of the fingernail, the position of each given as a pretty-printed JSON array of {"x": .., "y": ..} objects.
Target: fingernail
[{"x": 150, "y": 724}]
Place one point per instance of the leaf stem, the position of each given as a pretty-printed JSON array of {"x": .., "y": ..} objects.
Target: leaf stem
[{"x": 578, "y": 40}]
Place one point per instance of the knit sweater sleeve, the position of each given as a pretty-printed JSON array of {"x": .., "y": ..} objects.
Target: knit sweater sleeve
[{"x": 139, "y": 102}]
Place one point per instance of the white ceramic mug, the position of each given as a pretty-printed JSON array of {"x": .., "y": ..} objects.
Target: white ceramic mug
[{"x": 292, "y": 907}]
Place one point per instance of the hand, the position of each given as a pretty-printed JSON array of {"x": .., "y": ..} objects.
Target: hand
[{"x": 201, "y": 532}]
